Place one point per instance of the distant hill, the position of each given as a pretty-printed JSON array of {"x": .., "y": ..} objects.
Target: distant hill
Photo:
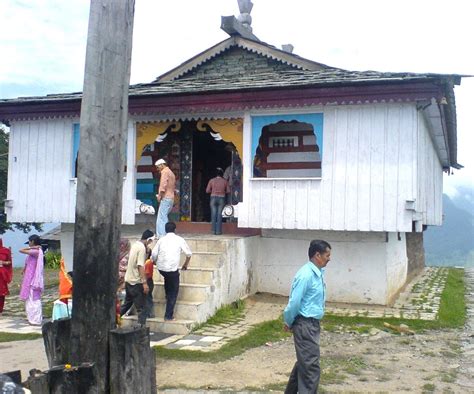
[{"x": 453, "y": 242}]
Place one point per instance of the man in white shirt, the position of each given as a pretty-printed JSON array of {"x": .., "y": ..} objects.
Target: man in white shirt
[
  {"x": 167, "y": 254},
  {"x": 136, "y": 287}
]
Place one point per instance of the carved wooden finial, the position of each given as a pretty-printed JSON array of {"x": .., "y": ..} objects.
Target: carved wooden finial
[
  {"x": 240, "y": 26},
  {"x": 245, "y": 7}
]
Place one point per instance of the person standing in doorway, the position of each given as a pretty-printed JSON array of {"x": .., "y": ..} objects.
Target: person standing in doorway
[
  {"x": 165, "y": 195},
  {"x": 32, "y": 285},
  {"x": 6, "y": 273},
  {"x": 136, "y": 287},
  {"x": 218, "y": 187},
  {"x": 303, "y": 314},
  {"x": 167, "y": 254}
]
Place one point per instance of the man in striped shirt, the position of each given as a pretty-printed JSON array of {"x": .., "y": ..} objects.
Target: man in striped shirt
[{"x": 302, "y": 315}]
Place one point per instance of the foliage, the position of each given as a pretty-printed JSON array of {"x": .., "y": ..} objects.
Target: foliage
[
  {"x": 52, "y": 259},
  {"x": 4, "y": 225}
]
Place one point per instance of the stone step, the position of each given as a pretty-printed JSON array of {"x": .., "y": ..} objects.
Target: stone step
[
  {"x": 205, "y": 259},
  {"x": 193, "y": 275},
  {"x": 207, "y": 245},
  {"x": 183, "y": 310},
  {"x": 187, "y": 292},
  {"x": 160, "y": 325}
]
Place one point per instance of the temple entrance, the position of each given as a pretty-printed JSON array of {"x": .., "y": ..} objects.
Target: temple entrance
[
  {"x": 209, "y": 152},
  {"x": 193, "y": 151}
]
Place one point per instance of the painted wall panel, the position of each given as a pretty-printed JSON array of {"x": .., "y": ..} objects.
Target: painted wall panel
[
  {"x": 363, "y": 172},
  {"x": 371, "y": 167},
  {"x": 429, "y": 178},
  {"x": 352, "y": 171},
  {"x": 40, "y": 185},
  {"x": 377, "y": 164},
  {"x": 339, "y": 169}
]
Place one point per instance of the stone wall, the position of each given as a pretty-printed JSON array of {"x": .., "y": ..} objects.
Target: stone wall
[
  {"x": 415, "y": 253},
  {"x": 234, "y": 62}
]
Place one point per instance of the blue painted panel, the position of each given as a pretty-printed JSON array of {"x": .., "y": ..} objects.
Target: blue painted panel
[
  {"x": 259, "y": 122},
  {"x": 145, "y": 187},
  {"x": 75, "y": 147}
]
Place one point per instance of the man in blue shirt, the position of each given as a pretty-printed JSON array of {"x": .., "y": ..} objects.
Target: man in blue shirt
[{"x": 302, "y": 315}]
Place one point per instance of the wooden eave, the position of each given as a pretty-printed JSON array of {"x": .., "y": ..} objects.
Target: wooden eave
[
  {"x": 250, "y": 45},
  {"x": 235, "y": 100}
]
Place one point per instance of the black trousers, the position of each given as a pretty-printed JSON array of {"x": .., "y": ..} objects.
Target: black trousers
[
  {"x": 171, "y": 291},
  {"x": 134, "y": 295},
  {"x": 149, "y": 298},
  {"x": 304, "y": 378}
]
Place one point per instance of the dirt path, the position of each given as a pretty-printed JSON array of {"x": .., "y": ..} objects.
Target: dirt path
[{"x": 351, "y": 362}]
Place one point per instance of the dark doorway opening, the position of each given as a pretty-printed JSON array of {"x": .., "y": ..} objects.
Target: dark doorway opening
[{"x": 208, "y": 153}]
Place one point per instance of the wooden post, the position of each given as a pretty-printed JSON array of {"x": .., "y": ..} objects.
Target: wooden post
[
  {"x": 103, "y": 124},
  {"x": 76, "y": 380},
  {"x": 56, "y": 337},
  {"x": 132, "y": 362}
]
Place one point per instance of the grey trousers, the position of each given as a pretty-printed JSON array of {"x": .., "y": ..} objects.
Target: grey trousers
[{"x": 304, "y": 378}]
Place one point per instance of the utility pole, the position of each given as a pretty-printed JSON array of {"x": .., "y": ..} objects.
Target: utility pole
[{"x": 103, "y": 125}]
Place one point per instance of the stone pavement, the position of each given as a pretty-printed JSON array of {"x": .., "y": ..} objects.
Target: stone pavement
[
  {"x": 465, "y": 377},
  {"x": 419, "y": 300}
]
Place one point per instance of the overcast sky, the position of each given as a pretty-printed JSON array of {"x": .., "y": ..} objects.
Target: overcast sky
[{"x": 42, "y": 43}]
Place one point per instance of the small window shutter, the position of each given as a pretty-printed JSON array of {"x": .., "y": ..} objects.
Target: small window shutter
[{"x": 75, "y": 148}]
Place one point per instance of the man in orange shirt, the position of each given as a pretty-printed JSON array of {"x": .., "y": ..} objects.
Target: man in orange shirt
[{"x": 165, "y": 195}]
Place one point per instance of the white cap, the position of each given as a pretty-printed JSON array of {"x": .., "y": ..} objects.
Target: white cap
[{"x": 160, "y": 161}]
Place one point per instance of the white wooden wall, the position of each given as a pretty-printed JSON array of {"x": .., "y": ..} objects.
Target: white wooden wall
[
  {"x": 430, "y": 178},
  {"x": 40, "y": 183},
  {"x": 370, "y": 167}
]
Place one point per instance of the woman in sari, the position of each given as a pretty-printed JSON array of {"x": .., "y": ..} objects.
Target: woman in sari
[
  {"x": 6, "y": 273},
  {"x": 32, "y": 285}
]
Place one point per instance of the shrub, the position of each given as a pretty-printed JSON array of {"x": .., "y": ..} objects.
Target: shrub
[{"x": 52, "y": 259}]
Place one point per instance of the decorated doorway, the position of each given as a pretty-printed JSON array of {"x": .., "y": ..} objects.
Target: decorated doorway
[{"x": 193, "y": 151}]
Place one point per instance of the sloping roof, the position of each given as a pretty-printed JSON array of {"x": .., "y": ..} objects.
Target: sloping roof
[
  {"x": 258, "y": 47},
  {"x": 282, "y": 79}
]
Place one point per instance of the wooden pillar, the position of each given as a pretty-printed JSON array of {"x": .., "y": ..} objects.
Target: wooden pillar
[
  {"x": 132, "y": 362},
  {"x": 56, "y": 337},
  {"x": 76, "y": 380},
  {"x": 103, "y": 124}
]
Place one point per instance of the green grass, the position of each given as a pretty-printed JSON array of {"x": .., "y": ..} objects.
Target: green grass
[
  {"x": 51, "y": 279},
  {"x": 452, "y": 314},
  {"x": 10, "y": 337},
  {"x": 428, "y": 387},
  {"x": 227, "y": 314},
  {"x": 452, "y": 311},
  {"x": 270, "y": 331}
]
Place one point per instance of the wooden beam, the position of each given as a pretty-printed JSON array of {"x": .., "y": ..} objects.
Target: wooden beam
[{"x": 104, "y": 118}]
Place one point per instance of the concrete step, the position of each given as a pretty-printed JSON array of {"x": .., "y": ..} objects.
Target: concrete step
[
  {"x": 187, "y": 292},
  {"x": 160, "y": 325},
  {"x": 205, "y": 259},
  {"x": 207, "y": 245},
  {"x": 183, "y": 310},
  {"x": 197, "y": 275}
]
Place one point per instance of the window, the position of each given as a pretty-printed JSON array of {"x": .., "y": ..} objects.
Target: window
[
  {"x": 287, "y": 146},
  {"x": 75, "y": 148}
]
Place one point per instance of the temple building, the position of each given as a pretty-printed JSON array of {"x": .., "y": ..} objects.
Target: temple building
[{"x": 352, "y": 157}]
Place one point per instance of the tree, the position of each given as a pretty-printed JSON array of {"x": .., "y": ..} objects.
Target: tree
[{"x": 4, "y": 225}]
